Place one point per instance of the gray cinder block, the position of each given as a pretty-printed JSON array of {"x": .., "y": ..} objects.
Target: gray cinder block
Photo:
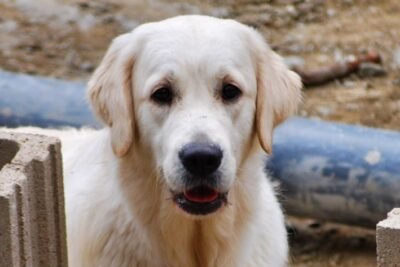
[
  {"x": 388, "y": 240},
  {"x": 32, "y": 218}
]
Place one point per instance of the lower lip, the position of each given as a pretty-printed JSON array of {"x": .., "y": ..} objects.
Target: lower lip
[{"x": 200, "y": 207}]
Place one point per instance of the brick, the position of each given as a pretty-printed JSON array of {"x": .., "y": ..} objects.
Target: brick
[
  {"x": 388, "y": 240},
  {"x": 32, "y": 217}
]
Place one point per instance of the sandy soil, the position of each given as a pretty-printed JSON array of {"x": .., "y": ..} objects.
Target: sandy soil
[{"x": 66, "y": 39}]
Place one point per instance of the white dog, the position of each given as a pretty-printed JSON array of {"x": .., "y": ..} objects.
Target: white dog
[{"x": 176, "y": 178}]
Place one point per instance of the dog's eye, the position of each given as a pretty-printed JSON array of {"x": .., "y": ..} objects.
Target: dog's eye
[
  {"x": 163, "y": 96},
  {"x": 230, "y": 92}
]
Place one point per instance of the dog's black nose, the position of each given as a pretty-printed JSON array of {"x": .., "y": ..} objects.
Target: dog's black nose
[{"x": 201, "y": 159}]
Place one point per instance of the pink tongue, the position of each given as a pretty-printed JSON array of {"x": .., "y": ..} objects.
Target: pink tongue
[{"x": 201, "y": 194}]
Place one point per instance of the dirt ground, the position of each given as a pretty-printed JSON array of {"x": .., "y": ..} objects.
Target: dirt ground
[{"x": 66, "y": 39}]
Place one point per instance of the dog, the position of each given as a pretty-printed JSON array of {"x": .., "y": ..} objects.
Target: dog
[{"x": 176, "y": 178}]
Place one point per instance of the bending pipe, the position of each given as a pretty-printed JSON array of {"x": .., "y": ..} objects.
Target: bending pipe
[
  {"x": 43, "y": 102},
  {"x": 336, "y": 172}
]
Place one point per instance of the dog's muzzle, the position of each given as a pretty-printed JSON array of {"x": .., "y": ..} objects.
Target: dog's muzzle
[{"x": 201, "y": 195}]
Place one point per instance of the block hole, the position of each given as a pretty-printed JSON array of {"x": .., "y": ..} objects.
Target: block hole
[{"x": 8, "y": 150}]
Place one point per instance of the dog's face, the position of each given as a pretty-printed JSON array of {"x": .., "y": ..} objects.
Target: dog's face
[{"x": 198, "y": 92}]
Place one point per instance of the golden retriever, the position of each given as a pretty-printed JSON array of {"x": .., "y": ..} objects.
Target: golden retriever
[{"x": 176, "y": 178}]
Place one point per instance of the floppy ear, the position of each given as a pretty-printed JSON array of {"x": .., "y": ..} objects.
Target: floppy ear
[
  {"x": 278, "y": 92},
  {"x": 110, "y": 92}
]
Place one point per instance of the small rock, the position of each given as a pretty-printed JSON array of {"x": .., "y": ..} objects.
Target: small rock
[
  {"x": 356, "y": 242},
  {"x": 396, "y": 82},
  {"x": 349, "y": 84},
  {"x": 294, "y": 62},
  {"x": 295, "y": 48},
  {"x": 87, "y": 22},
  {"x": 335, "y": 260},
  {"x": 83, "y": 4},
  {"x": 323, "y": 58},
  {"x": 324, "y": 111},
  {"x": 306, "y": 7},
  {"x": 287, "y": 2},
  {"x": 396, "y": 57},
  {"x": 310, "y": 47},
  {"x": 303, "y": 113},
  {"x": 352, "y": 107},
  {"x": 325, "y": 49},
  {"x": 71, "y": 58},
  {"x": 108, "y": 19},
  {"x": 314, "y": 224},
  {"x": 372, "y": 10},
  {"x": 126, "y": 24},
  {"x": 368, "y": 86},
  {"x": 220, "y": 12},
  {"x": 291, "y": 10},
  {"x": 368, "y": 69},
  {"x": 331, "y": 12},
  {"x": 87, "y": 66},
  {"x": 9, "y": 26},
  {"x": 101, "y": 8},
  {"x": 338, "y": 55}
]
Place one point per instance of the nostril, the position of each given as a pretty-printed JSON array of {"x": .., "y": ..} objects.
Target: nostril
[{"x": 201, "y": 158}]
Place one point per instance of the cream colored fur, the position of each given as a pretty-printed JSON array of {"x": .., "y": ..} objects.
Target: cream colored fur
[{"x": 118, "y": 180}]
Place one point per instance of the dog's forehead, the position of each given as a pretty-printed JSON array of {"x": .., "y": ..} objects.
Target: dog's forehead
[
  {"x": 195, "y": 41},
  {"x": 198, "y": 29}
]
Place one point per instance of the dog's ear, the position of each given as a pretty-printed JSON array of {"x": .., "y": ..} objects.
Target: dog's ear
[
  {"x": 278, "y": 91},
  {"x": 110, "y": 92}
]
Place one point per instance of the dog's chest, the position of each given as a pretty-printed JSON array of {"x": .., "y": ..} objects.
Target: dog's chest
[
  {"x": 125, "y": 247},
  {"x": 197, "y": 245}
]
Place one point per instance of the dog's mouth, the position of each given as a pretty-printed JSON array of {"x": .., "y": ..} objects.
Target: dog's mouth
[{"x": 200, "y": 200}]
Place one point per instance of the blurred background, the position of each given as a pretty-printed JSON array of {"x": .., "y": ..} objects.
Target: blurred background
[{"x": 67, "y": 39}]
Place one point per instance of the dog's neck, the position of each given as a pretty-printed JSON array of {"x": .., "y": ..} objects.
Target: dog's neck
[{"x": 177, "y": 240}]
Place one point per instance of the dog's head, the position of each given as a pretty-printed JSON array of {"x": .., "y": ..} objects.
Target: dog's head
[{"x": 200, "y": 93}]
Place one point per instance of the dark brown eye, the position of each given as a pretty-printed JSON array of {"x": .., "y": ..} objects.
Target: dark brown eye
[
  {"x": 230, "y": 92},
  {"x": 162, "y": 96}
]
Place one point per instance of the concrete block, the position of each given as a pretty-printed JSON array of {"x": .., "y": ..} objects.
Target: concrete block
[
  {"x": 32, "y": 217},
  {"x": 388, "y": 240}
]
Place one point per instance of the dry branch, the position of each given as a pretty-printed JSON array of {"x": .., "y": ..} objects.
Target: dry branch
[{"x": 336, "y": 71}]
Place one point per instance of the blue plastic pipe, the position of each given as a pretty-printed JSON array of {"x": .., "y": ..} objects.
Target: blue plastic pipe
[
  {"x": 328, "y": 171},
  {"x": 336, "y": 172},
  {"x": 44, "y": 102}
]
